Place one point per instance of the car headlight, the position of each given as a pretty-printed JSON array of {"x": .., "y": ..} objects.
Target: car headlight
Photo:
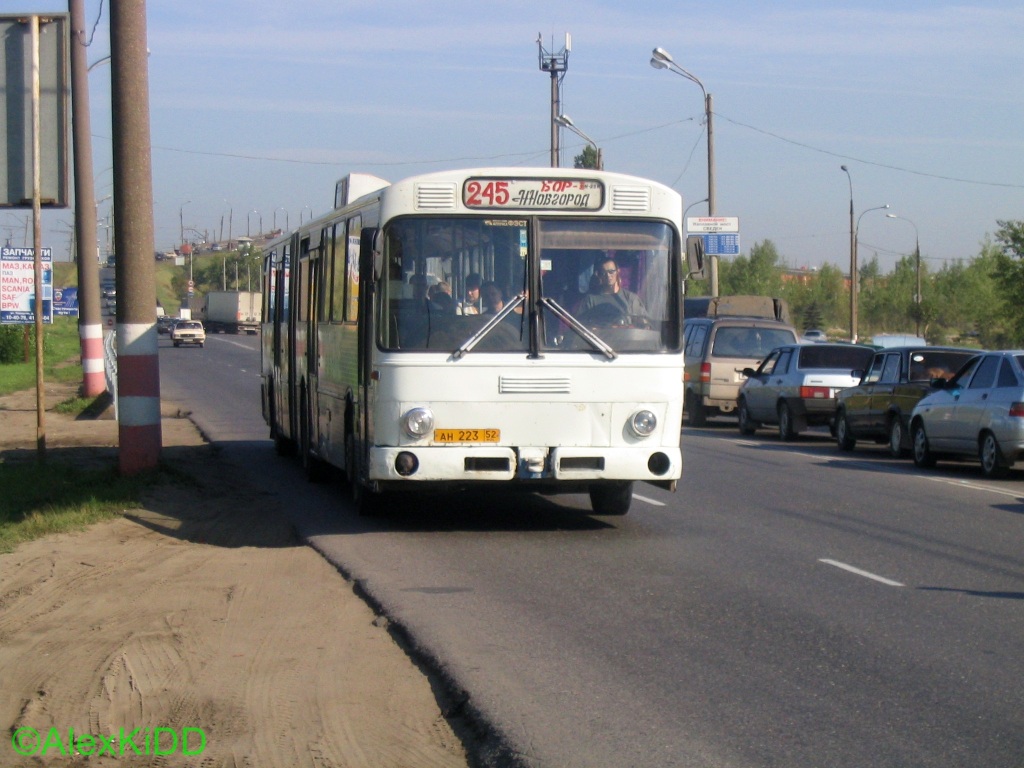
[
  {"x": 643, "y": 423},
  {"x": 418, "y": 422}
]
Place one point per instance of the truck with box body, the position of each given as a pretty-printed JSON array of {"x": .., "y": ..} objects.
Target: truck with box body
[{"x": 232, "y": 311}]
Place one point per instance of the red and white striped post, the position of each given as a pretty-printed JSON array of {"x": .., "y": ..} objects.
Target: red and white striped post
[
  {"x": 90, "y": 327},
  {"x": 138, "y": 365}
]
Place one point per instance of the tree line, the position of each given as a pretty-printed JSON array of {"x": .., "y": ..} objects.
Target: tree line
[{"x": 979, "y": 302}]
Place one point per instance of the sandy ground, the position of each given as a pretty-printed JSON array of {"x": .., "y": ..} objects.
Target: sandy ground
[{"x": 202, "y": 630}]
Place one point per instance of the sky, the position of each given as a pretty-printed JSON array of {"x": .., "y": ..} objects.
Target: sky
[{"x": 257, "y": 108}]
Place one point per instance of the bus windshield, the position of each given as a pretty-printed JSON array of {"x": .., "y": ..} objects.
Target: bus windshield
[{"x": 529, "y": 285}]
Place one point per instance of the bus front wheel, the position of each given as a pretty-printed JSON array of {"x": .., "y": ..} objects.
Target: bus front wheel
[{"x": 611, "y": 498}]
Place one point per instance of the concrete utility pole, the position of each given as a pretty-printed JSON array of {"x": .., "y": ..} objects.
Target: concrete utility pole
[
  {"x": 90, "y": 322},
  {"x": 138, "y": 367},
  {"x": 556, "y": 64}
]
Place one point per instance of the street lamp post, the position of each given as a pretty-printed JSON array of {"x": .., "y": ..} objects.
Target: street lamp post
[
  {"x": 662, "y": 59},
  {"x": 855, "y": 287},
  {"x": 917, "y": 263},
  {"x": 853, "y": 263},
  {"x": 281, "y": 208},
  {"x": 181, "y": 221},
  {"x": 566, "y": 122}
]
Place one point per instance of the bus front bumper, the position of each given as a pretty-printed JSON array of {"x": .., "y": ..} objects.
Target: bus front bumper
[{"x": 562, "y": 464}]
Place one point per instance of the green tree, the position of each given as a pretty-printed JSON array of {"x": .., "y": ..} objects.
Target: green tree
[
  {"x": 819, "y": 301},
  {"x": 757, "y": 275},
  {"x": 1008, "y": 265},
  {"x": 586, "y": 159}
]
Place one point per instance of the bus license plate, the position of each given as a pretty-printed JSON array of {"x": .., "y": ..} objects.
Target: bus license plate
[{"x": 467, "y": 435}]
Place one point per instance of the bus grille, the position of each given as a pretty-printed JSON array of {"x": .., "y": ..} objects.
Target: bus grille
[
  {"x": 435, "y": 196},
  {"x": 633, "y": 199},
  {"x": 513, "y": 385}
]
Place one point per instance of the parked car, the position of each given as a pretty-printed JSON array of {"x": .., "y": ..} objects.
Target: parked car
[
  {"x": 795, "y": 387},
  {"x": 814, "y": 334},
  {"x": 878, "y": 408},
  {"x": 188, "y": 332},
  {"x": 718, "y": 350},
  {"x": 978, "y": 413}
]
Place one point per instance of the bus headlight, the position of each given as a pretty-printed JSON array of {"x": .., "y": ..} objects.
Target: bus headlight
[
  {"x": 418, "y": 422},
  {"x": 643, "y": 423}
]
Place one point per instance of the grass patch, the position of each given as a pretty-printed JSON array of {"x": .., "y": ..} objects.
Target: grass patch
[
  {"x": 75, "y": 406},
  {"x": 40, "y": 499},
  {"x": 61, "y": 343}
]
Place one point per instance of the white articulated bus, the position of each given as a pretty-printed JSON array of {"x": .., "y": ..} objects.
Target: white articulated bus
[{"x": 502, "y": 327}]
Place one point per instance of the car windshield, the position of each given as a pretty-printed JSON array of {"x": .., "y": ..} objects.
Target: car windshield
[
  {"x": 842, "y": 357},
  {"x": 518, "y": 284}
]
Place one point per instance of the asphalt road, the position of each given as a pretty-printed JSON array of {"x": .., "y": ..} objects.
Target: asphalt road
[{"x": 790, "y": 605}]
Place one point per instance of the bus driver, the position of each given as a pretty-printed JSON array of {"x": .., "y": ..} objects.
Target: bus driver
[{"x": 611, "y": 293}]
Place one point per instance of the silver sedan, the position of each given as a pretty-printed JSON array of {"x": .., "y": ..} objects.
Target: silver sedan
[
  {"x": 979, "y": 413},
  {"x": 795, "y": 386}
]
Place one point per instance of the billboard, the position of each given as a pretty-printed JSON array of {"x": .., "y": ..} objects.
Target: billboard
[
  {"x": 16, "y": 65},
  {"x": 18, "y": 285}
]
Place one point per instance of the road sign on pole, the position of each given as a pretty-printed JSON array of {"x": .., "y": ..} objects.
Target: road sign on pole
[
  {"x": 712, "y": 224},
  {"x": 727, "y": 244}
]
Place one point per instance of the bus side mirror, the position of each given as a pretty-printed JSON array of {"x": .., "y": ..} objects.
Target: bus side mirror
[
  {"x": 695, "y": 257},
  {"x": 372, "y": 238}
]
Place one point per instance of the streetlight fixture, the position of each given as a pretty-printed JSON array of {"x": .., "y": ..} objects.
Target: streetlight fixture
[
  {"x": 917, "y": 260},
  {"x": 662, "y": 59},
  {"x": 566, "y": 122},
  {"x": 691, "y": 205}
]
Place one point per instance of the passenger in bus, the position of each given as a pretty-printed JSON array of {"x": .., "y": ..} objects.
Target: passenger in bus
[
  {"x": 492, "y": 297},
  {"x": 419, "y": 288},
  {"x": 471, "y": 304},
  {"x": 439, "y": 296},
  {"x": 610, "y": 295}
]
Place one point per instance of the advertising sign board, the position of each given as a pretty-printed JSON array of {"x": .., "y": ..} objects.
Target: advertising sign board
[{"x": 18, "y": 285}]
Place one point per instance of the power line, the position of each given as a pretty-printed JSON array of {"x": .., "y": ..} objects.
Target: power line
[{"x": 871, "y": 162}]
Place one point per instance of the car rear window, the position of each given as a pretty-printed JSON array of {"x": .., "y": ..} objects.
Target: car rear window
[
  {"x": 755, "y": 343},
  {"x": 845, "y": 358},
  {"x": 926, "y": 364}
]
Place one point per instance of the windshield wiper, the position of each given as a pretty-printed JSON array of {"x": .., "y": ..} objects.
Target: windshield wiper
[
  {"x": 475, "y": 339},
  {"x": 589, "y": 336}
]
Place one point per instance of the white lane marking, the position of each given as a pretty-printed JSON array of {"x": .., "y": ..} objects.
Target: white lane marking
[
  {"x": 655, "y": 502},
  {"x": 970, "y": 484},
  {"x": 897, "y": 467},
  {"x": 236, "y": 343},
  {"x": 859, "y": 572}
]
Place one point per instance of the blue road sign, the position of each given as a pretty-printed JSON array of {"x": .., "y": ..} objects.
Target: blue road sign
[{"x": 722, "y": 244}]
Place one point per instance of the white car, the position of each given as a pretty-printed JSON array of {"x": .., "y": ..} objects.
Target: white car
[
  {"x": 188, "y": 332},
  {"x": 979, "y": 413}
]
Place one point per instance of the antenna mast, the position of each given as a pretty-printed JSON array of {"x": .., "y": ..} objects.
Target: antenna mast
[{"x": 556, "y": 64}]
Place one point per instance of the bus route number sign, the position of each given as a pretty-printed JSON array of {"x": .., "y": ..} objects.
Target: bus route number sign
[{"x": 534, "y": 194}]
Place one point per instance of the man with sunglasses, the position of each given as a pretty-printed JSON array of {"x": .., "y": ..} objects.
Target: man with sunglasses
[{"x": 611, "y": 304}]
